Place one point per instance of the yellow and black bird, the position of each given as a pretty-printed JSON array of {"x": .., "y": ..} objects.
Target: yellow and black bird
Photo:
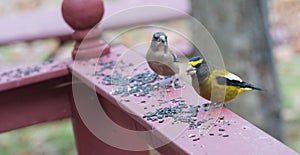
[
  {"x": 160, "y": 58},
  {"x": 218, "y": 86}
]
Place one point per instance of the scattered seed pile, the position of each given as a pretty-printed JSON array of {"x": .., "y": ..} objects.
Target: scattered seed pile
[
  {"x": 30, "y": 70},
  {"x": 180, "y": 113},
  {"x": 17, "y": 73},
  {"x": 138, "y": 85},
  {"x": 142, "y": 84}
]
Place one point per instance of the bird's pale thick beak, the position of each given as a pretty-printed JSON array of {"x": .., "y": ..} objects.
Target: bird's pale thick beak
[
  {"x": 191, "y": 70},
  {"x": 163, "y": 40}
]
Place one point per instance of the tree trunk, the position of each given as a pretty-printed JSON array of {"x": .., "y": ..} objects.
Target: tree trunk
[{"x": 240, "y": 29}]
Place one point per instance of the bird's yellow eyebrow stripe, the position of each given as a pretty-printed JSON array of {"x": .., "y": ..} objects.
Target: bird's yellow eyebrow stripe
[{"x": 195, "y": 63}]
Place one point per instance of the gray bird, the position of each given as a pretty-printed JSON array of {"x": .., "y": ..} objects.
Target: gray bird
[{"x": 160, "y": 58}]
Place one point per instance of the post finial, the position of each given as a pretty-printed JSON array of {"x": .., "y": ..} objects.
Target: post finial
[{"x": 83, "y": 16}]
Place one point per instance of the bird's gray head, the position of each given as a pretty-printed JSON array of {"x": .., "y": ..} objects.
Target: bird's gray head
[{"x": 159, "y": 42}]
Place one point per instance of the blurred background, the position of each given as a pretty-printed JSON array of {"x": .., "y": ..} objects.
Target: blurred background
[{"x": 56, "y": 138}]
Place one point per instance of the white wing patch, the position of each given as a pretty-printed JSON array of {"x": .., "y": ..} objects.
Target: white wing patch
[{"x": 231, "y": 76}]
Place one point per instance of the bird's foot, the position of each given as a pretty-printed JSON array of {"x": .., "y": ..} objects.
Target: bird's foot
[
  {"x": 175, "y": 82},
  {"x": 217, "y": 105},
  {"x": 169, "y": 81},
  {"x": 212, "y": 105}
]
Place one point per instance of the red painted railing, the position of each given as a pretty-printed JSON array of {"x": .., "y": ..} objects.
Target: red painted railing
[{"x": 47, "y": 92}]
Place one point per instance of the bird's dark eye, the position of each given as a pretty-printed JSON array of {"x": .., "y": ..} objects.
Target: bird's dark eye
[{"x": 155, "y": 36}]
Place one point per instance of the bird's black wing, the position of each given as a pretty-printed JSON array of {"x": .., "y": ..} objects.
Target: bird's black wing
[{"x": 225, "y": 81}]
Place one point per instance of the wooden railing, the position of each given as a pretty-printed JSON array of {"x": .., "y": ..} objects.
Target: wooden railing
[{"x": 48, "y": 92}]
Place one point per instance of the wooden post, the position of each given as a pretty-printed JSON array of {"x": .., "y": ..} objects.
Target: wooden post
[{"x": 83, "y": 16}]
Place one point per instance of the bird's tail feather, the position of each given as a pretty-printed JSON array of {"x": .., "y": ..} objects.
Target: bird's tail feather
[{"x": 248, "y": 85}]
